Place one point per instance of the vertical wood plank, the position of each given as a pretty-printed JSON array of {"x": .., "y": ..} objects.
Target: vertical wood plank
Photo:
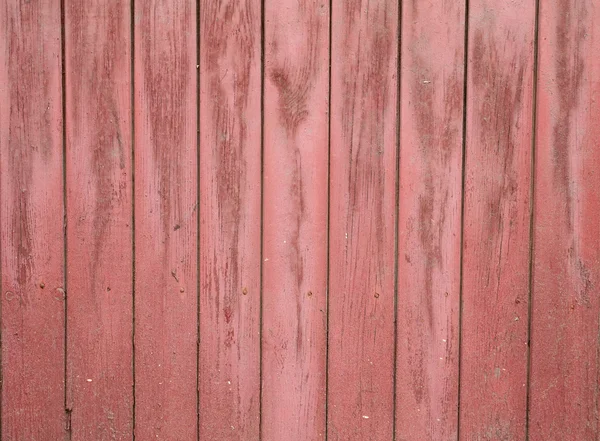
[
  {"x": 362, "y": 220},
  {"x": 99, "y": 230},
  {"x": 166, "y": 294},
  {"x": 230, "y": 201},
  {"x": 31, "y": 221},
  {"x": 295, "y": 219},
  {"x": 565, "y": 362},
  {"x": 431, "y": 135},
  {"x": 497, "y": 220}
]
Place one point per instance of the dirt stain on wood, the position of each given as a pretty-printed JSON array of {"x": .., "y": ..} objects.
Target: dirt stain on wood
[{"x": 569, "y": 66}]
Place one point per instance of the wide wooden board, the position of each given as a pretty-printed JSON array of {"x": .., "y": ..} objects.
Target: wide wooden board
[
  {"x": 497, "y": 206},
  {"x": 295, "y": 219},
  {"x": 364, "y": 64},
  {"x": 99, "y": 220},
  {"x": 31, "y": 221},
  {"x": 565, "y": 362},
  {"x": 429, "y": 226},
  {"x": 230, "y": 226},
  {"x": 166, "y": 220}
]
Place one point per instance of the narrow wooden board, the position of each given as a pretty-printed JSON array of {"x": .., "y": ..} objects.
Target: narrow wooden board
[
  {"x": 295, "y": 219},
  {"x": 230, "y": 198},
  {"x": 99, "y": 219},
  {"x": 362, "y": 220},
  {"x": 31, "y": 221},
  {"x": 166, "y": 220},
  {"x": 429, "y": 226},
  {"x": 496, "y": 243},
  {"x": 565, "y": 362}
]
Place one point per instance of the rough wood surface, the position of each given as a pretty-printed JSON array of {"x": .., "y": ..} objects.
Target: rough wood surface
[
  {"x": 295, "y": 219},
  {"x": 99, "y": 220},
  {"x": 166, "y": 222},
  {"x": 431, "y": 135},
  {"x": 565, "y": 362},
  {"x": 362, "y": 220},
  {"x": 31, "y": 221},
  {"x": 496, "y": 243},
  {"x": 230, "y": 200}
]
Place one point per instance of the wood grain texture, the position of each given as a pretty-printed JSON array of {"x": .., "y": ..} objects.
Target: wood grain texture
[
  {"x": 431, "y": 135},
  {"x": 497, "y": 220},
  {"x": 230, "y": 201},
  {"x": 295, "y": 219},
  {"x": 565, "y": 362},
  {"x": 362, "y": 220},
  {"x": 99, "y": 219},
  {"x": 166, "y": 220},
  {"x": 31, "y": 221}
]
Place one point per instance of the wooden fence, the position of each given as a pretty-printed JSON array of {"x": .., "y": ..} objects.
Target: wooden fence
[{"x": 290, "y": 220}]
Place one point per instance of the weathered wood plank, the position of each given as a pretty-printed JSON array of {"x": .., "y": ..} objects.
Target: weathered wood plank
[
  {"x": 31, "y": 221},
  {"x": 99, "y": 218},
  {"x": 166, "y": 220},
  {"x": 295, "y": 219},
  {"x": 497, "y": 220},
  {"x": 565, "y": 362},
  {"x": 431, "y": 135},
  {"x": 362, "y": 220},
  {"x": 230, "y": 200}
]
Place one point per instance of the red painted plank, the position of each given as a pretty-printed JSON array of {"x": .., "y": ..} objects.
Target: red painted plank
[
  {"x": 431, "y": 134},
  {"x": 31, "y": 221},
  {"x": 295, "y": 219},
  {"x": 565, "y": 362},
  {"x": 362, "y": 220},
  {"x": 166, "y": 222},
  {"x": 230, "y": 175},
  {"x": 99, "y": 230},
  {"x": 497, "y": 220}
]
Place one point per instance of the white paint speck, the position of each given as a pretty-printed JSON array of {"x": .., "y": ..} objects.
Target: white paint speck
[{"x": 366, "y": 417}]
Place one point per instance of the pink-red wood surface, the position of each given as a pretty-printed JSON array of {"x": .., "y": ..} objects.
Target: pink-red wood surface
[
  {"x": 230, "y": 209},
  {"x": 299, "y": 220},
  {"x": 99, "y": 220},
  {"x": 429, "y": 223},
  {"x": 295, "y": 219},
  {"x": 565, "y": 362},
  {"x": 31, "y": 221},
  {"x": 166, "y": 220},
  {"x": 496, "y": 222},
  {"x": 362, "y": 227}
]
